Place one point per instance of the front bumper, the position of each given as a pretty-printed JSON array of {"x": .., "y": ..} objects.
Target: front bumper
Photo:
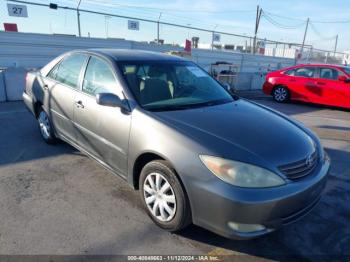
[
  {"x": 216, "y": 204},
  {"x": 267, "y": 88}
]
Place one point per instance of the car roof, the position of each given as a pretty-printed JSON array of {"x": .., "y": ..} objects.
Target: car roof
[
  {"x": 134, "y": 55},
  {"x": 319, "y": 65}
]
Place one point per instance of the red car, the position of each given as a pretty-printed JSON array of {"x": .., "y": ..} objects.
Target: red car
[{"x": 320, "y": 84}]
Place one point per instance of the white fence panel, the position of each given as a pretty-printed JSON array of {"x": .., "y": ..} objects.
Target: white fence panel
[{"x": 29, "y": 50}]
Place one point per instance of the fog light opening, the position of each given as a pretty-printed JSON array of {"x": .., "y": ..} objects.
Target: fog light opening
[{"x": 246, "y": 228}]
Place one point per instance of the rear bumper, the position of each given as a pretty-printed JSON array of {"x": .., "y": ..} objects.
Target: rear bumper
[
  {"x": 29, "y": 102},
  {"x": 270, "y": 208}
]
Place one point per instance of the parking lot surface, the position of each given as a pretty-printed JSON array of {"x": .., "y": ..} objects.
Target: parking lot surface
[{"x": 55, "y": 200}]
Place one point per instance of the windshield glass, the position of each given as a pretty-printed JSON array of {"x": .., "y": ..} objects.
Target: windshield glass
[
  {"x": 160, "y": 86},
  {"x": 346, "y": 69}
]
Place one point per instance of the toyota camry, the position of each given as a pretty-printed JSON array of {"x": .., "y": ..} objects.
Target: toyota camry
[{"x": 197, "y": 153}]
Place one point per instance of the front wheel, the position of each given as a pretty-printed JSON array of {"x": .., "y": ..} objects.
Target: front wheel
[
  {"x": 45, "y": 127},
  {"x": 281, "y": 94},
  {"x": 163, "y": 196}
]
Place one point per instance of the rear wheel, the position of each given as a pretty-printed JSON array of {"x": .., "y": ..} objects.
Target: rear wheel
[
  {"x": 280, "y": 94},
  {"x": 163, "y": 196},
  {"x": 45, "y": 127}
]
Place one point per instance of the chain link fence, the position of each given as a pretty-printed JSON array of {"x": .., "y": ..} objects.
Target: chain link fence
[{"x": 156, "y": 31}]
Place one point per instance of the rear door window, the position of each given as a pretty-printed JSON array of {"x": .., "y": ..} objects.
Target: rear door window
[
  {"x": 330, "y": 73},
  {"x": 305, "y": 72},
  {"x": 69, "y": 70}
]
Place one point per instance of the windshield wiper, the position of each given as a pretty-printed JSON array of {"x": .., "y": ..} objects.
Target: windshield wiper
[{"x": 188, "y": 106}]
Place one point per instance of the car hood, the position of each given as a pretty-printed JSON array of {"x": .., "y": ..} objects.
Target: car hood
[{"x": 243, "y": 131}]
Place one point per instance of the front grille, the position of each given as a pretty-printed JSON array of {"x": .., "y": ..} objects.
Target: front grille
[{"x": 300, "y": 168}]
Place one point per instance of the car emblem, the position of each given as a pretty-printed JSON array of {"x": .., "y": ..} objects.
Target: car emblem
[{"x": 309, "y": 161}]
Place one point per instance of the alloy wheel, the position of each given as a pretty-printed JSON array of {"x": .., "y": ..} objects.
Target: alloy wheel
[
  {"x": 280, "y": 94},
  {"x": 44, "y": 124}
]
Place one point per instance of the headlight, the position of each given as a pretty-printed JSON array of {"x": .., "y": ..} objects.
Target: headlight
[{"x": 241, "y": 174}]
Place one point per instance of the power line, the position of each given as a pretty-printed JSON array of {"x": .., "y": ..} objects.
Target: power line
[
  {"x": 165, "y": 14},
  {"x": 284, "y": 17},
  {"x": 314, "y": 21},
  {"x": 280, "y": 25},
  {"x": 172, "y": 10},
  {"x": 319, "y": 34}
]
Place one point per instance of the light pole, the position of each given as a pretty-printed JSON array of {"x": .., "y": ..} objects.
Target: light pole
[
  {"x": 302, "y": 46},
  {"x": 107, "y": 24},
  {"x": 78, "y": 17},
  {"x": 160, "y": 14},
  {"x": 257, "y": 22},
  {"x": 336, "y": 44}
]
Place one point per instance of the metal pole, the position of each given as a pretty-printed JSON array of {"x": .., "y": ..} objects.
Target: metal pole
[
  {"x": 302, "y": 46},
  {"x": 257, "y": 21},
  {"x": 78, "y": 17},
  {"x": 212, "y": 38},
  {"x": 160, "y": 14},
  {"x": 335, "y": 46}
]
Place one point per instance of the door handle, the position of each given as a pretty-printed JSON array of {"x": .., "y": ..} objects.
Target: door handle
[
  {"x": 321, "y": 83},
  {"x": 79, "y": 104},
  {"x": 292, "y": 80},
  {"x": 310, "y": 85}
]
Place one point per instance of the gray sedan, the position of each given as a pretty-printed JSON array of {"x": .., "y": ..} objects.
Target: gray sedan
[{"x": 197, "y": 153}]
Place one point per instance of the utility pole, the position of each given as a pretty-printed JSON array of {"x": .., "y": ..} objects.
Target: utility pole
[
  {"x": 335, "y": 46},
  {"x": 302, "y": 46},
  {"x": 78, "y": 17},
  {"x": 212, "y": 38},
  {"x": 160, "y": 14},
  {"x": 257, "y": 22}
]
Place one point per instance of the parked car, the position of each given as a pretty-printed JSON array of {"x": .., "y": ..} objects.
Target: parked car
[
  {"x": 320, "y": 84},
  {"x": 197, "y": 153}
]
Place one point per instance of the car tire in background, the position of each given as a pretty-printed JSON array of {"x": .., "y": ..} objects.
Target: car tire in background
[
  {"x": 281, "y": 94},
  {"x": 45, "y": 126},
  {"x": 164, "y": 197}
]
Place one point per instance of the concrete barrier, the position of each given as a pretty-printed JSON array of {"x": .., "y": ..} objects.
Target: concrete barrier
[
  {"x": 14, "y": 83},
  {"x": 244, "y": 81},
  {"x": 2, "y": 87},
  {"x": 257, "y": 81}
]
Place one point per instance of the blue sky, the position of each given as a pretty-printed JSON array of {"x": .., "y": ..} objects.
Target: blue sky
[{"x": 235, "y": 16}]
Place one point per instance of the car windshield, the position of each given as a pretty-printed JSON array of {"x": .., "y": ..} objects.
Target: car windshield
[
  {"x": 162, "y": 86},
  {"x": 346, "y": 69}
]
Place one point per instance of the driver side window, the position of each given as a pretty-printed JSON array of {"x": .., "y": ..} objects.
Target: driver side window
[{"x": 99, "y": 78}]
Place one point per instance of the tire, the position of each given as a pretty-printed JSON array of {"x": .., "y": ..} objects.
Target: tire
[
  {"x": 173, "y": 211},
  {"x": 45, "y": 126},
  {"x": 281, "y": 94}
]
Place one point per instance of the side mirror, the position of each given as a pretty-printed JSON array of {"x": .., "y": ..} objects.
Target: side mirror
[
  {"x": 112, "y": 100},
  {"x": 342, "y": 78}
]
